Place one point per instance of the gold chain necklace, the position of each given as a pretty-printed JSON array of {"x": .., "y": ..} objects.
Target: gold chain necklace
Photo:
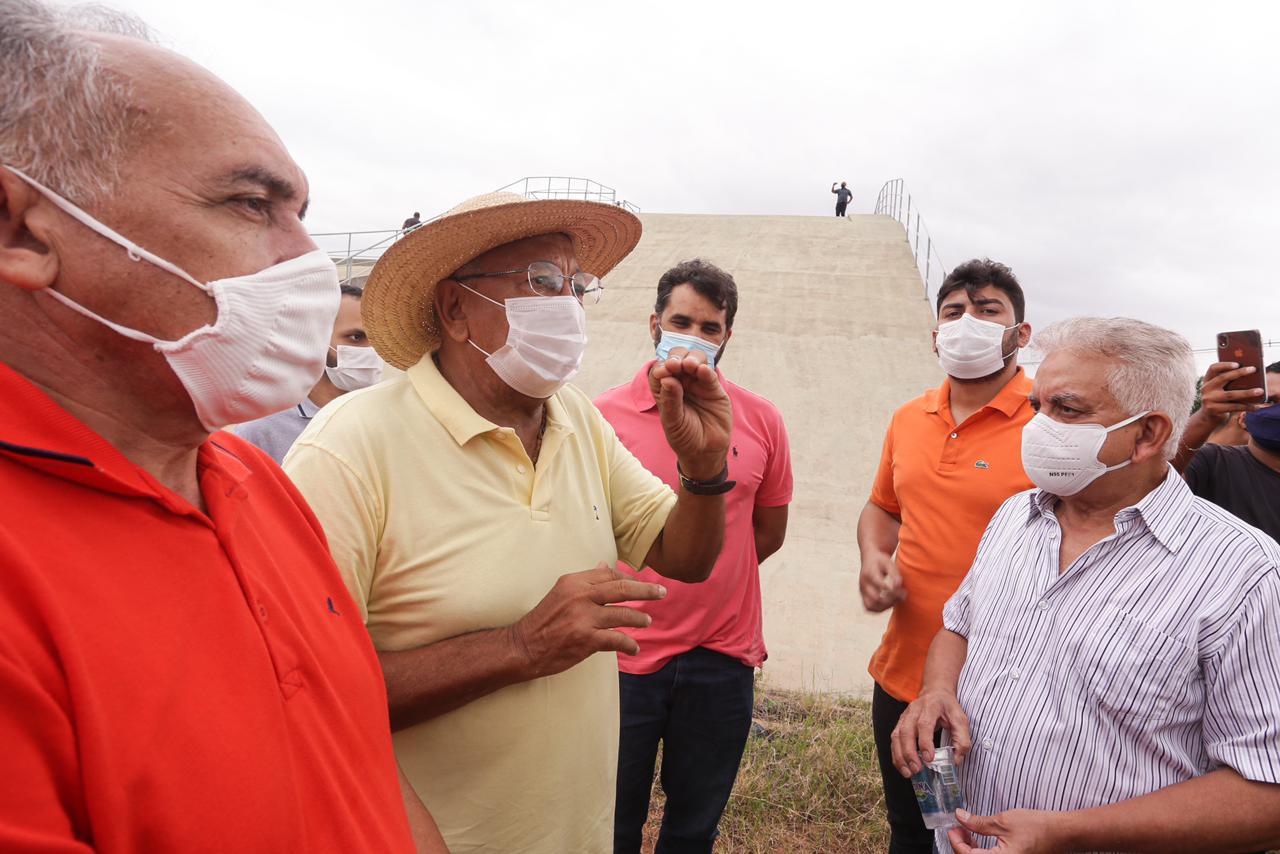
[{"x": 537, "y": 444}]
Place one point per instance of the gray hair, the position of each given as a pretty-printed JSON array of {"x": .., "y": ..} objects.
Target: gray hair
[
  {"x": 1152, "y": 368},
  {"x": 65, "y": 119}
]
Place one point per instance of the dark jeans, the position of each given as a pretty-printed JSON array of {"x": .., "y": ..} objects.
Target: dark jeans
[
  {"x": 840, "y": 208},
  {"x": 908, "y": 833},
  {"x": 699, "y": 706}
]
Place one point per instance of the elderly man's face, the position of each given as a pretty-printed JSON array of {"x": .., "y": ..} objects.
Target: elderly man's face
[
  {"x": 487, "y": 323},
  {"x": 1072, "y": 389},
  {"x": 207, "y": 185}
]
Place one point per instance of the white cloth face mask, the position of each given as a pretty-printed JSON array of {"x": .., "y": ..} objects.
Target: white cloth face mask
[
  {"x": 1062, "y": 459},
  {"x": 546, "y": 337},
  {"x": 969, "y": 348},
  {"x": 266, "y": 348},
  {"x": 357, "y": 368}
]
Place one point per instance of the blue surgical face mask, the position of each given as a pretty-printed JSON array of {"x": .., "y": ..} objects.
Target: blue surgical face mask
[{"x": 671, "y": 340}]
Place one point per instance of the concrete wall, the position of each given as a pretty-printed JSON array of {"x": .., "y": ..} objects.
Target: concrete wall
[{"x": 833, "y": 327}]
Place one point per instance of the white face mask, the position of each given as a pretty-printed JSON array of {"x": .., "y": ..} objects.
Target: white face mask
[
  {"x": 358, "y": 367},
  {"x": 546, "y": 337},
  {"x": 1063, "y": 458},
  {"x": 969, "y": 348},
  {"x": 265, "y": 350}
]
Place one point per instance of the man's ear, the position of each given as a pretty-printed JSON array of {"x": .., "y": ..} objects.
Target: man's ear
[
  {"x": 653, "y": 329},
  {"x": 1024, "y": 334},
  {"x": 450, "y": 312},
  {"x": 27, "y": 259},
  {"x": 1153, "y": 435}
]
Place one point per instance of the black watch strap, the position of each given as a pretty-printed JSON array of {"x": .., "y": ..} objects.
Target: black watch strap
[{"x": 718, "y": 485}]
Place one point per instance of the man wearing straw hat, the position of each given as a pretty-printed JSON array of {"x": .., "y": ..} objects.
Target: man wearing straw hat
[{"x": 467, "y": 503}]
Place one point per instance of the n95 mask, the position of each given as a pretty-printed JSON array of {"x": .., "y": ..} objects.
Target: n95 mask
[
  {"x": 1062, "y": 459},
  {"x": 546, "y": 338},
  {"x": 969, "y": 348},
  {"x": 263, "y": 352}
]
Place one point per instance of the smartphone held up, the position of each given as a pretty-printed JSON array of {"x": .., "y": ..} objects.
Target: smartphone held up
[{"x": 1245, "y": 349}]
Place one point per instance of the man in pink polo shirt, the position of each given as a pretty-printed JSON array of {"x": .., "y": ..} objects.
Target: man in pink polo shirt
[{"x": 691, "y": 685}]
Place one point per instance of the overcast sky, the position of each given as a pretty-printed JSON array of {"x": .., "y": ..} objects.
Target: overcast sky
[{"x": 1121, "y": 157}]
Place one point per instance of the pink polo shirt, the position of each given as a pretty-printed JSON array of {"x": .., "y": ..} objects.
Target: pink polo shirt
[{"x": 723, "y": 612}]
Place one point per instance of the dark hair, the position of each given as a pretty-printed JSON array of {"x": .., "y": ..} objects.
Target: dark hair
[
  {"x": 1273, "y": 368},
  {"x": 352, "y": 291},
  {"x": 977, "y": 274},
  {"x": 707, "y": 279}
]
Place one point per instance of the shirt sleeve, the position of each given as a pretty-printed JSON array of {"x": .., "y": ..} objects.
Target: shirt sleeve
[
  {"x": 883, "y": 494},
  {"x": 40, "y": 786},
  {"x": 957, "y": 613},
  {"x": 776, "y": 486},
  {"x": 349, "y": 512},
  {"x": 1242, "y": 689},
  {"x": 639, "y": 502}
]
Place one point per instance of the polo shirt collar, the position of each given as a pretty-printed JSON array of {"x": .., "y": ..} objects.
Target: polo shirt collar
[
  {"x": 456, "y": 415},
  {"x": 37, "y": 432},
  {"x": 1012, "y": 397},
  {"x": 1162, "y": 511},
  {"x": 307, "y": 409},
  {"x": 641, "y": 396}
]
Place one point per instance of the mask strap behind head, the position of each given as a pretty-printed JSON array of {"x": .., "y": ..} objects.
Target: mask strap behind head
[{"x": 136, "y": 252}]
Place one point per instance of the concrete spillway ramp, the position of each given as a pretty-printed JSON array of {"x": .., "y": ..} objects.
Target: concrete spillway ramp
[{"x": 833, "y": 327}]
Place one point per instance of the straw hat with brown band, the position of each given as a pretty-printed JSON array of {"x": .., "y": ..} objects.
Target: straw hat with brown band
[{"x": 398, "y": 298}]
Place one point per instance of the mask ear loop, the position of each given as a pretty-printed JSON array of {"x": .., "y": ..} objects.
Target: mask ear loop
[
  {"x": 134, "y": 251},
  {"x": 482, "y": 296}
]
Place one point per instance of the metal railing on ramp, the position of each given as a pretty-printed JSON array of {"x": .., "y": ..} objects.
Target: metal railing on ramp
[
  {"x": 355, "y": 252},
  {"x": 895, "y": 201}
]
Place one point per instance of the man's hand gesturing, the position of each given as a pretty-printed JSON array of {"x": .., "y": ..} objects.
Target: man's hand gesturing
[
  {"x": 578, "y": 618},
  {"x": 695, "y": 412}
]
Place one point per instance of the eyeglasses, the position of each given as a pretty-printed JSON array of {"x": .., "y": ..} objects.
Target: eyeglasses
[{"x": 548, "y": 280}]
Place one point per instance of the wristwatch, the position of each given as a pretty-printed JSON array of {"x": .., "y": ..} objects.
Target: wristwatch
[{"x": 718, "y": 485}]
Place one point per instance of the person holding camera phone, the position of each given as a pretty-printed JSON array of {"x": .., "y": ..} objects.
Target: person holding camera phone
[{"x": 1243, "y": 479}]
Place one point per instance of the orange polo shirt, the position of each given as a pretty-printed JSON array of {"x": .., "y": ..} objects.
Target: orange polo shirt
[{"x": 945, "y": 482}]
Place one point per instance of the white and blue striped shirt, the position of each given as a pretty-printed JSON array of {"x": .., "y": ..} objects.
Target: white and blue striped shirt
[{"x": 1154, "y": 658}]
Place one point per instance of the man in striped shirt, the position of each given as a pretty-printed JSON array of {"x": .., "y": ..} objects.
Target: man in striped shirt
[{"x": 1110, "y": 667}]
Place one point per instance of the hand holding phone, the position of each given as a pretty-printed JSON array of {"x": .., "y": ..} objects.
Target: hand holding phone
[{"x": 1245, "y": 349}]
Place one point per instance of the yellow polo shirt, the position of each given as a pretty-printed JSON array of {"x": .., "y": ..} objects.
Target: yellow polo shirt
[{"x": 442, "y": 526}]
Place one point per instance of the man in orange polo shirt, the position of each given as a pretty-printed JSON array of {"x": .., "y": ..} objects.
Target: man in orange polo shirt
[
  {"x": 950, "y": 458},
  {"x": 181, "y": 668}
]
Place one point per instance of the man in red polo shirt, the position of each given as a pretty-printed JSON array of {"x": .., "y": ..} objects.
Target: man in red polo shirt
[
  {"x": 691, "y": 684},
  {"x": 181, "y": 668}
]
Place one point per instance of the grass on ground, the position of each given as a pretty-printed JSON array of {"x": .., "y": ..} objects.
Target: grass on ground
[{"x": 811, "y": 785}]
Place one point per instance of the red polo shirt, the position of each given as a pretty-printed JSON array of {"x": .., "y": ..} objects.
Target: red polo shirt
[
  {"x": 171, "y": 680},
  {"x": 723, "y": 612}
]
